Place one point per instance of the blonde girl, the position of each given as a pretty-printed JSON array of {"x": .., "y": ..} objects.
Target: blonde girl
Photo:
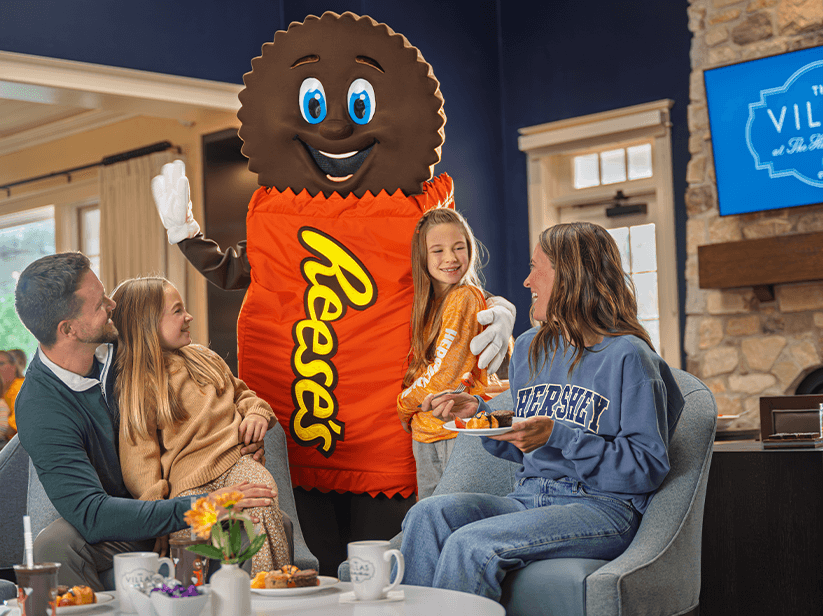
[
  {"x": 448, "y": 295},
  {"x": 183, "y": 416}
]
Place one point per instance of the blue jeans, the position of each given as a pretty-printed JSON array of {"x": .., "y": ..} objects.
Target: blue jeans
[{"x": 468, "y": 542}]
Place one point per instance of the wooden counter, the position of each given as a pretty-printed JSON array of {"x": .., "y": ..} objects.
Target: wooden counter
[{"x": 763, "y": 531}]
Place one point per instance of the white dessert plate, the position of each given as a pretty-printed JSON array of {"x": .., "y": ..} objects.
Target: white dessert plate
[
  {"x": 102, "y": 599},
  {"x": 482, "y": 431},
  {"x": 325, "y": 582}
]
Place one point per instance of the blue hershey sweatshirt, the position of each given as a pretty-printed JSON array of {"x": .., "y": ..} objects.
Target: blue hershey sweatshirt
[{"x": 614, "y": 416}]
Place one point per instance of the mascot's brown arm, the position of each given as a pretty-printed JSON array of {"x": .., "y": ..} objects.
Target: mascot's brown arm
[{"x": 228, "y": 270}]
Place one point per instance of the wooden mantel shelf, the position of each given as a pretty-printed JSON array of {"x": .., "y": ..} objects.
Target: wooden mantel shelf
[{"x": 761, "y": 263}]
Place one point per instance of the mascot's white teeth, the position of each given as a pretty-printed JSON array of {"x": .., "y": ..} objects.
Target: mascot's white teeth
[
  {"x": 338, "y": 156},
  {"x": 337, "y": 167}
]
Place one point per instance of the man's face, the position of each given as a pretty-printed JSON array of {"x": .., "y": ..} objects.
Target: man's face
[
  {"x": 341, "y": 105},
  {"x": 92, "y": 323}
]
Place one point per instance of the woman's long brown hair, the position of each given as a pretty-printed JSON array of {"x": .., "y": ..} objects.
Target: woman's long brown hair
[
  {"x": 142, "y": 383},
  {"x": 591, "y": 292},
  {"x": 424, "y": 307}
]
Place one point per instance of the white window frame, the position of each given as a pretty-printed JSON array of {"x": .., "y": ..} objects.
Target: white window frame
[
  {"x": 543, "y": 144},
  {"x": 67, "y": 199}
]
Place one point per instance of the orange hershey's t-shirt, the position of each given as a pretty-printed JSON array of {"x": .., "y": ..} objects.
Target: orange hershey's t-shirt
[
  {"x": 453, "y": 359},
  {"x": 323, "y": 333}
]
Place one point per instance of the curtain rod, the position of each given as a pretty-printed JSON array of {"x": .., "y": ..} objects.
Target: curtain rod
[{"x": 108, "y": 160}]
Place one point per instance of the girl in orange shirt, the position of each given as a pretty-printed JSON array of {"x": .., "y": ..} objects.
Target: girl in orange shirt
[{"x": 447, "y": 297}]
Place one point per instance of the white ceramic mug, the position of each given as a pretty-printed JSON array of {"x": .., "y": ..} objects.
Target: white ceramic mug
[
  {"x": 370, "y": 569},
  {"x": 134, "y": 568}
]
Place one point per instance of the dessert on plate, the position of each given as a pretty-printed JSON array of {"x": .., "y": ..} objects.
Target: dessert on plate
[
  {"x": 76, "y": 595},
  {"x": 288, "y": 576}
]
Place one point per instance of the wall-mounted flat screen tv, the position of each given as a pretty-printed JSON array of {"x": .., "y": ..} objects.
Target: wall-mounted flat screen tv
[{"x": 766, "y": 120}]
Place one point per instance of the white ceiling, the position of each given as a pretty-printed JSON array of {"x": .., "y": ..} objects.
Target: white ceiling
[{"x": 43, "y": 99}]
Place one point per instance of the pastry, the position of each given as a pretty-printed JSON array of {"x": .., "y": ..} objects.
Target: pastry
[
  {"x": 277, "y": 579},
  {"x": 504, "y": 418},
  {"x": 483, "y": 421},
  {"x": 77, "y": 595},
  {"x": 306, "y": 577}
]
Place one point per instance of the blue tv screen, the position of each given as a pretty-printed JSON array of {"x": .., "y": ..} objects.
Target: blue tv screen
[{"x": 766, "y": 120}]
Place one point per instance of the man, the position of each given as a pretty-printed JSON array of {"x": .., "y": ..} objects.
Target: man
[{"x": 68, "y": 423}]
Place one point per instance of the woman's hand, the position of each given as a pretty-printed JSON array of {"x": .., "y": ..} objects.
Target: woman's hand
[
  {"x": 253, "y": 428},
  {"x": 449, "y": 406},
  {"x": 529, "y": 434}
]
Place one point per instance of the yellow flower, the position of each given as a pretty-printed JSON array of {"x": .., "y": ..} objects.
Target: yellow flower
[
  {"x": 227, "y": 500},
  {"x": 202, "y": 517}
]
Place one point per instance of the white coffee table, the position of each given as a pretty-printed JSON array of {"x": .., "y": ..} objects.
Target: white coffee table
[{"x": 326, "y": 601}]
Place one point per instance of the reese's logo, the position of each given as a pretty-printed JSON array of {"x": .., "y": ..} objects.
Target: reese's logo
[{"x": 336, "y": 281}]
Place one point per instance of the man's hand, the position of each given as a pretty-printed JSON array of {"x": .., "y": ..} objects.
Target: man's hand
[
  {"x": 254, "y": 495},
  {"x": 493, "y": 342},
  {"x": 161, "y": 546},
  {"x": 253, "y": 428},
  {"x": 528, "y": 435},
  {"x": 257, "y": 448},
  {"x": 171, "y": 196},
  {"x": 449, "y": 406}
]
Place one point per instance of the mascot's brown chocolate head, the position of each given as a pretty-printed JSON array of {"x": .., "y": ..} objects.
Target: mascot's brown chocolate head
[{"x": 341, "y": 103}]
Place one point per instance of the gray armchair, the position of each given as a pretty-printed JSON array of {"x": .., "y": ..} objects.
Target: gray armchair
[
  {"x": 659, "y": 573},
  {"x": 23, "y": 493}
]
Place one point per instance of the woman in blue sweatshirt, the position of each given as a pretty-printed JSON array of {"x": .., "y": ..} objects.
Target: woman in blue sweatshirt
[{"x": 599, "y": 406}]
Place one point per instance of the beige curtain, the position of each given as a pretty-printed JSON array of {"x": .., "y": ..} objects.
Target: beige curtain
[{"x": 133, "y": 240}]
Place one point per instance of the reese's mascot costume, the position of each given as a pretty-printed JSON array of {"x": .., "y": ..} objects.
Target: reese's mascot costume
[{"x": 342, "y": 120}]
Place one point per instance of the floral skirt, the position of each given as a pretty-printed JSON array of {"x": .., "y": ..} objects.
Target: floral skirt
[{"x": 275, "y": 552}]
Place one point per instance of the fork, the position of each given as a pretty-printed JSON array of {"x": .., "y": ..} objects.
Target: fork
[
  {"x": 458, "y": 390},
  {"x": 464, "y": 383}
]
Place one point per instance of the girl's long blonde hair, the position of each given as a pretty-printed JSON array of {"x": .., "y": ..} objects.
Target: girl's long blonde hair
[
  {"x": 142, "y": 384},
  {"x": 424, "y": 307},
  {"x": 591, "y": 292}
]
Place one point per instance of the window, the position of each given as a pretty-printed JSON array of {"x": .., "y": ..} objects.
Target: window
[
  {"x": 24, "y": 237},
  {"x": 638, "y": 251},
  {"x": 88, "y": 224},
  {"x": 610, "y": 166}
]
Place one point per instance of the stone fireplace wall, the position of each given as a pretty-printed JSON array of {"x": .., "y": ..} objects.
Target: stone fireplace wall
[{"x": 740, "y": 347}]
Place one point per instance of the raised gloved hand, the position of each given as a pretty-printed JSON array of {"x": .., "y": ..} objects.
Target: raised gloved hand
[
  {"x": 171, "y": 196},
  {"x": 492, "y": 343}
]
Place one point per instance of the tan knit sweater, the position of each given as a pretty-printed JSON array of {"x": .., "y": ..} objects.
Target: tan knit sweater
[{"x": 199, "y": 449}]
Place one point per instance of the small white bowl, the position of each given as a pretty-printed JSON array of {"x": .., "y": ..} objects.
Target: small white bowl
[
  {"x": 724, "y": 421},
  {"x": 140, "y": 601},
  {"x": 179, "y": 606}
]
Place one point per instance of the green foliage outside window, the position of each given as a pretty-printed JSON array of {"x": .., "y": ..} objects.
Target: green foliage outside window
[{"x": 19, "y": 246}]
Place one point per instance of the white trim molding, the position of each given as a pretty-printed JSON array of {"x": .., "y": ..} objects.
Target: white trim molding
[{"x": 88, "y": 96}]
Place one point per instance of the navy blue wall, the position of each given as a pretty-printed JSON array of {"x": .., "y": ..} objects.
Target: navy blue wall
[
  {"x": 502, "y": 65},
  {"x": 565, "y": 59}
]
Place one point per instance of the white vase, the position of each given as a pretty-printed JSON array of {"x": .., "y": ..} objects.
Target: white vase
[{"x": 230, "y": 592}]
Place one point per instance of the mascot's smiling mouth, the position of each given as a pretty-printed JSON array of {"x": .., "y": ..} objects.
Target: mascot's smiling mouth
[{"x": 338, "y": 167}]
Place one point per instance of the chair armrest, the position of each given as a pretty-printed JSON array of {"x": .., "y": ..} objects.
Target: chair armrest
[
  {"x": 666, "y": 549},
  {"x": 277, "y": 463},
  {"x": 14, "y": 478}
]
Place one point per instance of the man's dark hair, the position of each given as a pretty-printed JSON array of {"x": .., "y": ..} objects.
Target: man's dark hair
[{"x": 45, "y": 293}]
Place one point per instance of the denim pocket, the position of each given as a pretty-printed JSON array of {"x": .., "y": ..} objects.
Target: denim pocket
[{"x": 617, "y": 503}]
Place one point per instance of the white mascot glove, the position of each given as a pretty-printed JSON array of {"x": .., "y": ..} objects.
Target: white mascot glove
[
  {"x": 494, "y": 340},
  {"x": 171, "y": 196}
]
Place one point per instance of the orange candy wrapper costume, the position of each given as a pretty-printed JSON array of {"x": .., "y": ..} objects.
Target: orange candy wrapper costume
[{"x": 331, "y": 296}]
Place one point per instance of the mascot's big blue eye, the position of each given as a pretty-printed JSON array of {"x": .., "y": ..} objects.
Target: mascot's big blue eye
[
  {"x": 361, "y": 101},
  {"x": 312, "y": 101}
]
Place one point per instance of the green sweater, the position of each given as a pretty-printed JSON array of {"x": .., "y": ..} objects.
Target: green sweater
[{"x": 70, "y": 432}]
